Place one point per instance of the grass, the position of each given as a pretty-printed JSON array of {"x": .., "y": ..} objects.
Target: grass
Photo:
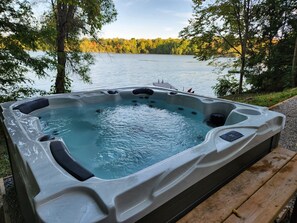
[{"x": 266, "y": 100}]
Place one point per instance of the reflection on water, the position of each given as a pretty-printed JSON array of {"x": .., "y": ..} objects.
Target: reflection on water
[{"x": 120, "y": 70}]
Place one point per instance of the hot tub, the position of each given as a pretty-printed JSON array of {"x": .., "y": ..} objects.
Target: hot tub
[{"x": 131, "y": 154}]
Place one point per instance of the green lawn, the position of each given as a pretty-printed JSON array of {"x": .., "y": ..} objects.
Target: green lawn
[{"x": 264, "y": 99}]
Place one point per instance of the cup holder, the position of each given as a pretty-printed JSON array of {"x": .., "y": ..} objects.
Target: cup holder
[{"x": 249, "y": 111}]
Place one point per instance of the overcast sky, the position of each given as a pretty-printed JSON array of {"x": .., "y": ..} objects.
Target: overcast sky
[{"x": 148, "y": 19}]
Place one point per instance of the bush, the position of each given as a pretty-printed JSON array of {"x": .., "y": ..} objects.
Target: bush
[{"x": 226, "y": 85}]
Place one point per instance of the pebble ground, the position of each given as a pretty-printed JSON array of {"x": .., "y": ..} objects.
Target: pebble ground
[{"x": 288, "y": 137}]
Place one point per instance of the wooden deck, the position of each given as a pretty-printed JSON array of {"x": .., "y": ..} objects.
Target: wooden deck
[{"x": 258, "y": 194}]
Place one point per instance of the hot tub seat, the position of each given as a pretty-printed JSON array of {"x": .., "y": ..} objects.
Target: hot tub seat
[
  {"x": 30, "y": 106},
  {"x": 64, "y": 159}
]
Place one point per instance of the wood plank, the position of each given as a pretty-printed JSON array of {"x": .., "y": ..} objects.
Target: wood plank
[
  {"x": 270, "y": 199},
  {"x": 220, "y": 205}
]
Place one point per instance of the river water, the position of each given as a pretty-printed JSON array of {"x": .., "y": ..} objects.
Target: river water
[{"x": 120, "y": 70}]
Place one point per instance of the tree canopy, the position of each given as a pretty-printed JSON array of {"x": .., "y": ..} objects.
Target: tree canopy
[
  {"x": 18, "y": 32},
  {"x": 270, "y": 62},
  {"x": 66, "y": 21},
  {"x": 255, "y": 31},
  {"x": 260, "y": 34},
  {"x": 151, "y": 46}
]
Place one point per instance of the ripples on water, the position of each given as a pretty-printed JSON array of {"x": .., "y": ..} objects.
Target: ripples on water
[
  {"x": 120, "y": 70},
  {"x": 114, "y": 141}
]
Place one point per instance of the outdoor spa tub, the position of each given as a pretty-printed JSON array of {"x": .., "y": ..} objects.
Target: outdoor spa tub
[{"x": 142, "y": 154}]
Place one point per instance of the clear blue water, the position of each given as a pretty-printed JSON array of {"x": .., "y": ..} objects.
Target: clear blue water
[{"x": 113, "y": 141}]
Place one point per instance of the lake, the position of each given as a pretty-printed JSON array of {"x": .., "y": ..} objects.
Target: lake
[{"x": 120, "y": 70}]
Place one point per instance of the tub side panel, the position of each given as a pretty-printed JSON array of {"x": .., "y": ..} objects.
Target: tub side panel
[
  {"x": 191, "y": 197},
  {"x": 20, "y": 185}
]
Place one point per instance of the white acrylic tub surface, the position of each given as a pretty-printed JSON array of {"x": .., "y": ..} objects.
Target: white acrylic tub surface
[{"x": 54, "y": 195}]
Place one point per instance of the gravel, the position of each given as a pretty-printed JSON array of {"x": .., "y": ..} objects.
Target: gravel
[{"x": 288, "y": 137}]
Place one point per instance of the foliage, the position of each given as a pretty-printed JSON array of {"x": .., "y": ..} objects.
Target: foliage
[
  {"x": 260, "y": 33},
  {"x": 17, "y": 34},
  {"x": 152, "y": 46},
  {"x": 271, "y": 61},
  {"x": 271, "y": 72},
  {"x": 227, "y": 84},
  {"x": 222, "y": 27},
  {"x": 64, "y": 24}
]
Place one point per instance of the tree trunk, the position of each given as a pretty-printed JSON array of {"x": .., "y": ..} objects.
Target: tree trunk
[
  {"x": 244, "y": 41},
  {"x": 61, "y": 74},
  {"x": 242, "y": 68},
  {"x": 294, "y": 66},
  {"x": 60, "y": 46}
]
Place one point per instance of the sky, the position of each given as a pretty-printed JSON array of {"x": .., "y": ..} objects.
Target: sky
[{"x": 148, "y": 19}]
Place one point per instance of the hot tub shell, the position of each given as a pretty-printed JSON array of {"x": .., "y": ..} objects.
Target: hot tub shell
[{"x": 165, "y": 191}]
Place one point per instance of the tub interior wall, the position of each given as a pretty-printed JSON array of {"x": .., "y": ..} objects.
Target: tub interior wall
[
  {"x": 234, "y": 118},
  {"x": 206, "y": 107}
]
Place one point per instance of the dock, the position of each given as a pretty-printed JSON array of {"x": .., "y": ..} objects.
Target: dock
[{"x": 164, "y": 85}]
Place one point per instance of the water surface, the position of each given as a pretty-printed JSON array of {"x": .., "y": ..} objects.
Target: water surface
[
  {"x": 114, "y": 141},
  {"x": 120, "y": 70}
]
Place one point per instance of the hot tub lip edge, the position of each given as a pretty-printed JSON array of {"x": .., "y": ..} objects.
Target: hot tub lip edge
[{"x": 92, "y": 179}]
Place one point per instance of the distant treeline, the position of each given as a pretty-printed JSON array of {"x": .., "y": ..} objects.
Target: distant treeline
[{"x": 142, "y": 46}]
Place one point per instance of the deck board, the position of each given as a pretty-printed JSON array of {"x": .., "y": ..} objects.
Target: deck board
[
  {"x": 219, "y": 206},
  {"x": 273, "y": 196}
]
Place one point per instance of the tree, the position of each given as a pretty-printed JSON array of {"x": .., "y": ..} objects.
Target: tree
[
  {"x": 259, "y": 33},
  {"x": 270, "y": 63},
  {"x": 17, "y": 34},
  {"x": 223, "y": 28},
  {"x": 116, "y": 45},
  {"x": 68, "y": 20}
]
